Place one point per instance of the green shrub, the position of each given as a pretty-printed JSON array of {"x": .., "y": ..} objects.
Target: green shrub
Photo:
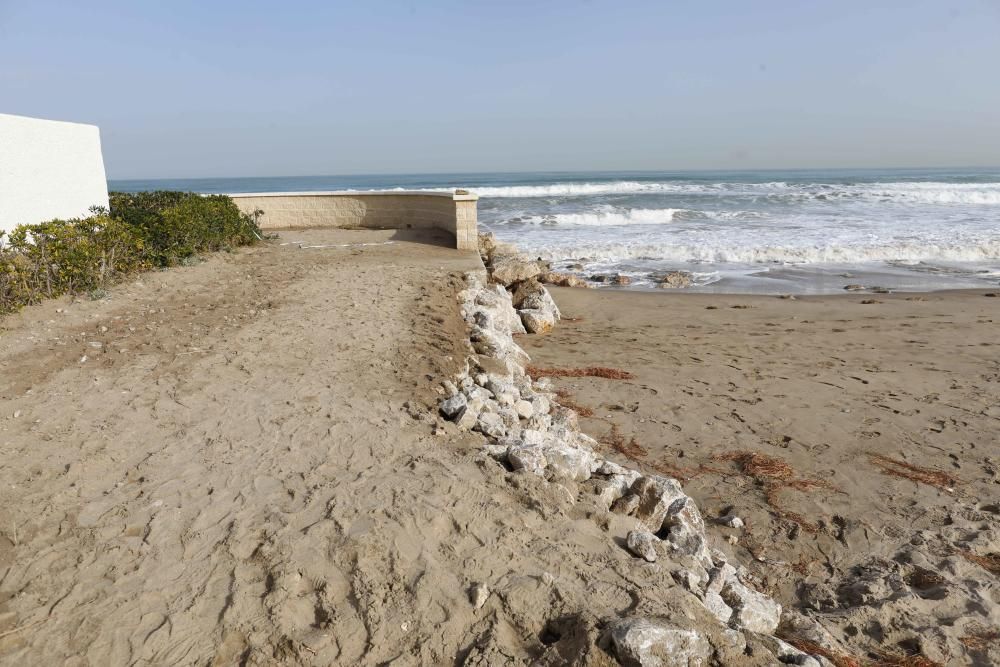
[
  {"x": 176, "y": 225},
  {"x": 66, "y": 257},
  {"x": 143, "y": 231}
]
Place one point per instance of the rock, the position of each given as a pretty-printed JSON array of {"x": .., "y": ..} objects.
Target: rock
[
  {"x": 566, "y": 462},
  {"x": 530, "y": 458},
  {"x": 509, "y": 417},
  {"x": 686, "y": 528},
  {"x": 788, "y": 654},
  {"x": 498, "y": 452},
  {"x": 452, "y": 407},
  {"x": 854, "y": 288},
  {"x": 525, "y": 289},
  {"x": 482, "y": 379},
  {"x": 627, "y": 504},
  {"x": 449, "y": 388},
  {"x": 470, "y": 416},
  {"x": 753, "y": 611},
  {"x": 676, "y": 279},
  {"x": 495, "y": 301},
  {"x": 621, "y": 280},
  {"x": 541, "y": 405},
  {"x": 478, "y": 594},
  {"x": 642, "y": 543},
  {"x": 611, "y": 468},
  {"x": 731, "y": 520},
  {"x": 524, "y": 409},
  {"x": 656, "y": 495},
  {"x": 642, "y": 642},
  {"x": 509, "y": 269},
  {"x": 537, "y": 321},
  {"x": 715, "y": 604},
  {"x": 562, "y": 279},
  {"x": 487, "y": 244},
  {"x": 543, "y": 301},
  {"x": 491, "y": 424}
]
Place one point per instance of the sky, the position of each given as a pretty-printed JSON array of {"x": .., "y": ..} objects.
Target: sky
[{"x": 252, "y": 88}]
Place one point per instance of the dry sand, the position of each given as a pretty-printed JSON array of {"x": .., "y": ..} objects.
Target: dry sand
[
  {"x": 238, "y": 463},
  {"x": 822, "y": 384}
]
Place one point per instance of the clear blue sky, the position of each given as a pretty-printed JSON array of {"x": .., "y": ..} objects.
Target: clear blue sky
[{"x": 189, "y": 89}]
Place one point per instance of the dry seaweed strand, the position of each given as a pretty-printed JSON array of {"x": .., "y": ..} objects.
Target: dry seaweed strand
[
  {"x": 981, "y": 638},
  {"x": 776, "y": 475},
  {"x": 812, "y": 648},
  {"x": 567, "y": 401},
  {"x": 989, "y": 562},
  {"x": 903, "y": 660},
  {"x": 896, "y": 468},
  {"x": 536, "y": 372}
]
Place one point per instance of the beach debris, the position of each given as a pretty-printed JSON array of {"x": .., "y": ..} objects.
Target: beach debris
[
  {"x": 642, "y": 543},
  {"x": 644, "y": 642},
  {"x": 854, "y": 287},
  {"x": 675, "y": 280}
]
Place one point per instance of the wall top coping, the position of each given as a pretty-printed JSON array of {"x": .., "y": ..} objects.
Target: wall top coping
[{"x": 465, "y": 196}]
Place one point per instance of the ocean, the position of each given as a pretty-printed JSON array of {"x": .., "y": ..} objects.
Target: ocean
[{"x": 772, "y": 232}]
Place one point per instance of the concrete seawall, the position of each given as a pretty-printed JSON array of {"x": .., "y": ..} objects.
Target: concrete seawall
[{"x": 453, "y": 213}]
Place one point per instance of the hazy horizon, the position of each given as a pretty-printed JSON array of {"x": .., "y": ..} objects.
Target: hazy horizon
[{"x": 243, "y": 90}]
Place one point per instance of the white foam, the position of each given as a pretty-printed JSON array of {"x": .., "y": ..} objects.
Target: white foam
[
  {"x": 772, "y": 254},
  {"x": 605, "y": 217},
  {"x": 900, "y": 192}
]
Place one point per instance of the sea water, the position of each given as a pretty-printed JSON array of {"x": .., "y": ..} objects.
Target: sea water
[{"x": 741, "y": 231}]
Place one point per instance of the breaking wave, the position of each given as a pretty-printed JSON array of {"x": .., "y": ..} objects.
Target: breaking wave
[
  {"x": 745, "y": 254},
  {"x": 901, "y": 192}
]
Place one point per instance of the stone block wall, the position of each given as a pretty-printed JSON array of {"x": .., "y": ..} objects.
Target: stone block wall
[{"x": 453, "y": 213}]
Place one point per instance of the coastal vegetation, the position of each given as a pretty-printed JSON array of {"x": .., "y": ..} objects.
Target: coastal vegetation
[{"x": 142, "y": 231}]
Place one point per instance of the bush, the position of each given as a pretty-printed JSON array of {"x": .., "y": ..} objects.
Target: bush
[
  {"x": 143, "y": 230},
  {"x": 176, "y": 225}
]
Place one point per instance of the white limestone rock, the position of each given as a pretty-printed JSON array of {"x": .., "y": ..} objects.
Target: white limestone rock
[
  {"x": 753, "y": 611},
  {"x": 566, "y": 462},
  {"x": 529, "y": 458},
  {"x": 642, "y": 642},
  {"x": 509, "y": 269},
  {"x": 537, "y": 321},
  {"x": 656, "y": 495},
  {"x": 524, "y": 409},
  {"x": 491, "y": 424},
  {"x": 478, "y": 594},
  {"x": 642, "y": 543}
]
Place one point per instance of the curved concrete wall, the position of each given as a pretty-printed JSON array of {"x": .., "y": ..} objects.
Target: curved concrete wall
[
  {"x": 454, "y": 213},
  {"x": 48, "y": 169}
]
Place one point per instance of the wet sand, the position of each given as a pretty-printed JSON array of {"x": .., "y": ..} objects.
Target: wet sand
[{"x": 824, "y": 384}]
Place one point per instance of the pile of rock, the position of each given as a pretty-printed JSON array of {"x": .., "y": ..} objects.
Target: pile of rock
[
  {"x": 527, "y": 431},
  {"x": 519, "y": 275}
]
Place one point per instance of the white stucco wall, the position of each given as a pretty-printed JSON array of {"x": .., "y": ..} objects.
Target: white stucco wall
[{"x": 48, "y": 169}]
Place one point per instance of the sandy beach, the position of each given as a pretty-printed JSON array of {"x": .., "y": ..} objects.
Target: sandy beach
[
  {"x": 826, "y": 385},
  {"x": 243, "y": 462}
]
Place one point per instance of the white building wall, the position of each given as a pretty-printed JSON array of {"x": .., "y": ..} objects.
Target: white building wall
[{"x": 48, "y": 169}]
